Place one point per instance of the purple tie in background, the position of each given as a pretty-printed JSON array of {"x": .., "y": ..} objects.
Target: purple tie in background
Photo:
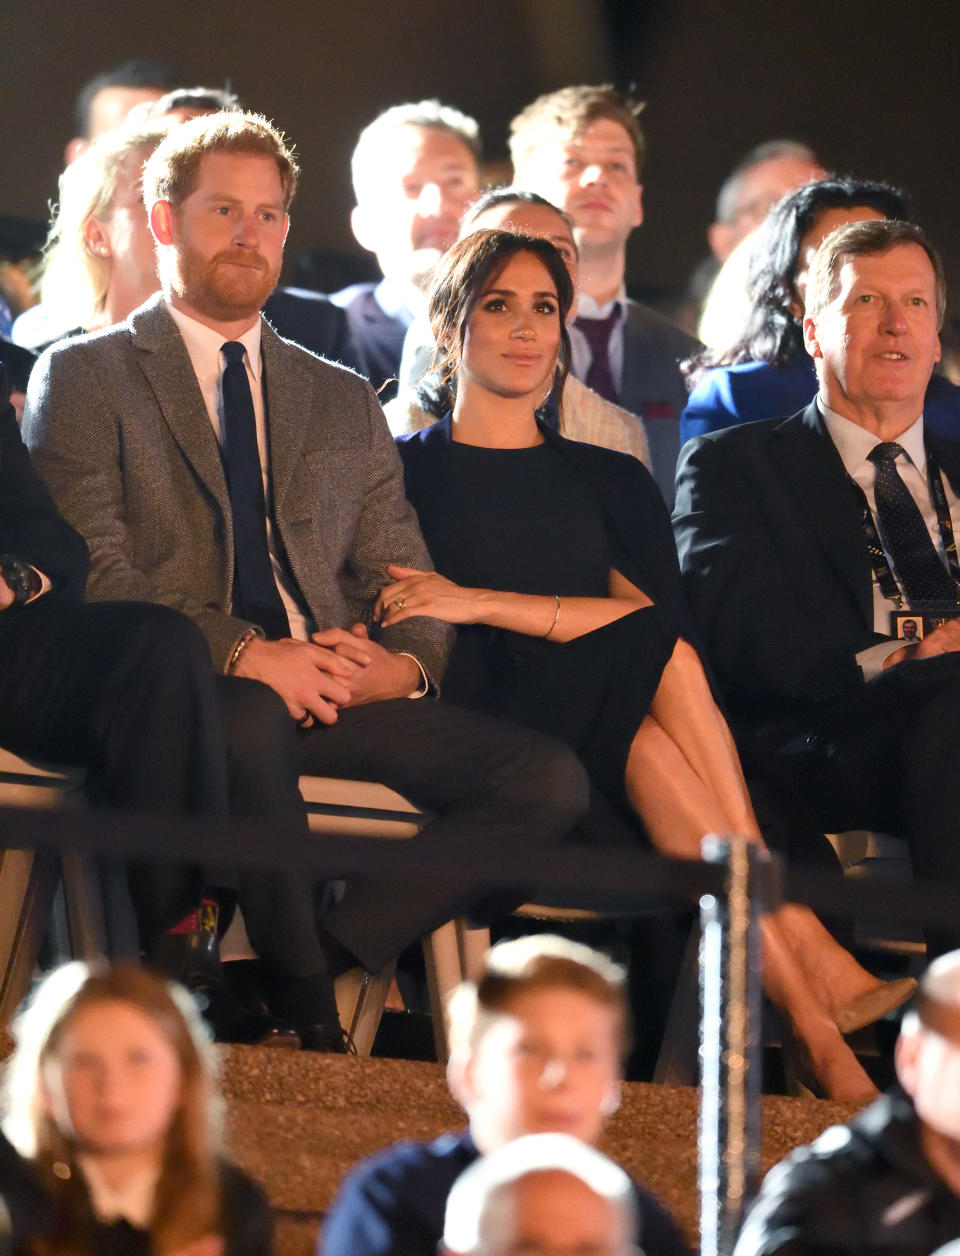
[{"x": 599, "y": 375}]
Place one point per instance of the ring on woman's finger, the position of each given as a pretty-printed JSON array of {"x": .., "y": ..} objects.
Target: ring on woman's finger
[
  {"x": 398, "y": 603},
  {"x": 304, "y": 720}
]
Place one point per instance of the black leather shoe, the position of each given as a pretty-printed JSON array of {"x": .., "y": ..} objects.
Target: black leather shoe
[
  {"x": 327, "y": 1038},
  {"x": 193, "y": 958},
  {"x": 230, "y": 1021}
]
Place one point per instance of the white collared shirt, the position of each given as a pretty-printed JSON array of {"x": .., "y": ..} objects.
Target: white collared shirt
[
  {"x": 204, "y": 346},
  {"x": 134, "y": 1201},
  {"x": 580, "y": 350},
  {"x": 854, "y": 445}
]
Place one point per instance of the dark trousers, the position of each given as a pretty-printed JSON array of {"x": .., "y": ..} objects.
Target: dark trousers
[
  {"x": 885, "y": 758},
  {"x": 127, "y": 690},
  {"x": 494, "y": 786}
]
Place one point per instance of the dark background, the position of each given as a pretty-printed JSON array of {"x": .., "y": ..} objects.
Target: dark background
[{"x": 871, "y": 84}]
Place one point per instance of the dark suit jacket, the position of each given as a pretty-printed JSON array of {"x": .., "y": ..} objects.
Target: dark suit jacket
[
  {"x": 120, "y": 433},
  {"x": 775, "y": 564},
  {"x": 653, "y": 387},
  {"x": 314, "y": 322},
  {"x": 19, "y": 362},
  {"x": 31, "y": 528},
  {"x": 378, "y": 329},
  {"x": 247, "y": 1222}
]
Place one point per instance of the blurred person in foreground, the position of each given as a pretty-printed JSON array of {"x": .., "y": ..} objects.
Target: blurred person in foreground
[
  {"x": 111, "y": 1098},
  {"x": 889, "y": 1182},
  {"x": 536, "y": 1046},
  {"x": 543, "y": 1195}
]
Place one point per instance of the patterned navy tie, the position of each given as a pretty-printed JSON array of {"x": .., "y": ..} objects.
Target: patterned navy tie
[
  {"x": 255, "y": 594},
  {"x": 922, "y": 575},
  {"x": 599, "y": 374}
]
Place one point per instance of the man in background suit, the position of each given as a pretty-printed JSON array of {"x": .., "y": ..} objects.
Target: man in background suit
[
  {"x": 797, "y": 543},
  {"x": 582, "y": 148},
  {"x": 414, "y": 173},
  {"x": 218, "y": 469}
]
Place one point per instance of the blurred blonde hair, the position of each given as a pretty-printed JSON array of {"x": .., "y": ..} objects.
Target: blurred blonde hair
[{"x": 74, "y": 279}]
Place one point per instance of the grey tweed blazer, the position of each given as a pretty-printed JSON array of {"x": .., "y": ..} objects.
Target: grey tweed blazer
[{"x": 119, "y": 431}]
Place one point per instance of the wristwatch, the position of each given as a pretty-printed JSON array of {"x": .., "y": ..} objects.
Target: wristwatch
[{"x": 22, "y": 580}]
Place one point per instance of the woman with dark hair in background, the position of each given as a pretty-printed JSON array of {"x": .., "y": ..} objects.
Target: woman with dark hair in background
[
  {"x": 767, "y": 373},
  {"x": 111, "y": 1098},
  {"x": 561, "y": 574}
]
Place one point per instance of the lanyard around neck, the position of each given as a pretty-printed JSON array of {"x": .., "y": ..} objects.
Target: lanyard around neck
[{"x": 878, "y": 559}]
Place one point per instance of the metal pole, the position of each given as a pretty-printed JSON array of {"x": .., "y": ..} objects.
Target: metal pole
[{"x": 730, "y": 1002}]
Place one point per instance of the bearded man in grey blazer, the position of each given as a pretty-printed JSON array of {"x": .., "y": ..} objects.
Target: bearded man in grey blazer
[{"x": 222, "y": 471}]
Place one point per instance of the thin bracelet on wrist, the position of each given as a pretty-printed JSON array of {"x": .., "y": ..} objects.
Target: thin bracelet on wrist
[
  {"x": 238, "y": 649},
  {"x": 556, "y": 616}
]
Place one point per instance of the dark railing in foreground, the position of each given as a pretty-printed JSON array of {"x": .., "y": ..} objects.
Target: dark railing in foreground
[{"x": 733, "y": 884}]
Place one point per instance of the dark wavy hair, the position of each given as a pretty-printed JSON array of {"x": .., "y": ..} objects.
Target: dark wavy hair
[
  {"x": 461, "y": 277},
  {"x": 774, "y": 334}
]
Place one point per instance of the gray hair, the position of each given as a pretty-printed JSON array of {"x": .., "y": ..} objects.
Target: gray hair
[
  {"x": 423, "y": 113},
  {"x": 479, "y": 1186}
]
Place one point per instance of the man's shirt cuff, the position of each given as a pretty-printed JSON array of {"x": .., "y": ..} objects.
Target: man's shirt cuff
[
  {"x": 423, "y": 688},
  {"x": 872, "y": 659}
]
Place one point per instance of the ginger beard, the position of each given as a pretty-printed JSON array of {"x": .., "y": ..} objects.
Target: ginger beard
[{"x": 231, "y": 285}]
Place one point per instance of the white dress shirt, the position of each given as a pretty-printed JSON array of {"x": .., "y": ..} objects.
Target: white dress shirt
[
  {"x": 581, "y": 357},
  {"x": 204, "y": 347},
  {"x": 854, "y": 445}
]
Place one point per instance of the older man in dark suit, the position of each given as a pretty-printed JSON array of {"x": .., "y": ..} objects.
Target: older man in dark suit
[
  {"x": 799, "y": 538},
  {"x": 218, "y": 469}
]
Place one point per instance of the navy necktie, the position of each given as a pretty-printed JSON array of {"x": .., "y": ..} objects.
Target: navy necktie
[
  {"x": 255, "y": 593},
  {"x": 922, "y": 575},
  {"x": 600, "y": 374}
]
